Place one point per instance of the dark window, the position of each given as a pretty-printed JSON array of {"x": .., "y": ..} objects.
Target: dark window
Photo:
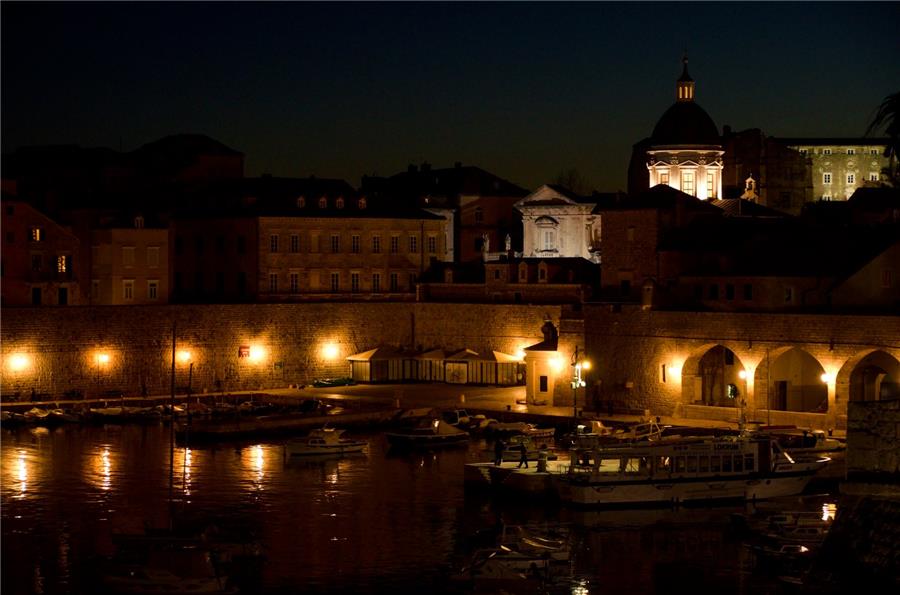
[
  {"x": 198, "y": 281},
  {"x": 179, "y": 245},
  {"x": 35, "y": 296},
  {"x": 496, "y": 274},
  {"x": 220, "y": 283},
  {"x": 713, "y": 292},
  {"x": 36, "y": 262},
  {"x": 625, "y": 285},
  {"x": 241, "y": 245},
  {"x": 63, "y": 296},
  {"x": 179, "y": 285},
  {"x": 748, "y": 291},
  {"x": 220, "y": 245},
  {"x": 542, "y": 274},
  {"x": 241, "y": 282},
  {"x": 543, "y": 381},
  {"x": 698, "y": 292},
  {"x": 729, "y": 291}
]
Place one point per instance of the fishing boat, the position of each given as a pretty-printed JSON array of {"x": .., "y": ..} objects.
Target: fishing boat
[
  {"x": 324, "y": 441},
  {"x": 425, "y": 432},
  {"x": 685, "y": 470}
]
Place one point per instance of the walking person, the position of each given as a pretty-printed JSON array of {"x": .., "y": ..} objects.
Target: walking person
[
  {"x": 523, "y": 456},
  {"x": 499, "y": 447}
]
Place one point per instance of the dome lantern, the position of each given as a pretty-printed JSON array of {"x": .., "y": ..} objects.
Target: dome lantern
[{"x": 684, "y": 88}]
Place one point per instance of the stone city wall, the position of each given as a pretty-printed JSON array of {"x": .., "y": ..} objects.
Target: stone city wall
[
  {"x": 99, "y": 350},
  {"x": 628, "y": 349}
]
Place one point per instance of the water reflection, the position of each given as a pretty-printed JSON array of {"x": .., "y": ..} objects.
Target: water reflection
[
  {"x": 22, "y": 466},
  {"x": 101, "y": 469}
]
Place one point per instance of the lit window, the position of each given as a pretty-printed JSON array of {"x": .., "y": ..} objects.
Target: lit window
[
  {"x": 664, "y": 177},
  {"x": 851, "y": 178},
  {"x": 362, "y": 203},
  {"x": 826, "y": 178},
  {"x": 687, "y": 182},
  {"x": 413, "y": 244},
  {"x": 354, "y": 244},
  {"x": 37, "y": 234},
  {"x": 273, "y": 243},
  {"x": 376, "y": 244},
  {"x": 128, "y": 290},
  {"x": 295, "y": 243},
  {"x": 335, "y": 281},
  {"x": 273, "y": 282},
  {"x": 549, "y": 239},
  {"x": 62, "y": 263},
  {"x": 323, "y": 202},
  {"x": 153, "y": 290},
  {"x": 710, "y": 178},
  {"x": 335, "y": 243},
  {"x": 295, "y": 282},
  {"x": 339, "y": 203}
]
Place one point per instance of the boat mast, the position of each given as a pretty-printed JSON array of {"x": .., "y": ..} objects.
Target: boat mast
[{"x": 172, "y": 436}]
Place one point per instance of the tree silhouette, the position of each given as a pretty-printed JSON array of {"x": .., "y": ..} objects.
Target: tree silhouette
[{"x": 887, "y": 118}]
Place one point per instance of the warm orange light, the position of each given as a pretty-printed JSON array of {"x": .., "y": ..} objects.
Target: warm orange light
[
  {"x": 556, "y": 363},
  {"x": 184, "y": 357},
  {"x": 257, "y": 353},
  {"x": 742, "y": 374},
  {"x": 19, "y": 362},
  {"x": 102, "y": 358},
  {"x": 330, "y": 351},
  {"x": 520, "y": 354},
  {"x": 585, "y": 365},
  {"x": 826, "y": 377}
]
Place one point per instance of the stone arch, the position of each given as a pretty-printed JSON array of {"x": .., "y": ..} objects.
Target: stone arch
[
  {"x": 870, "y": 375},
  {"x": 707, "y": 374},
  {"x": 793, "y": 381}
]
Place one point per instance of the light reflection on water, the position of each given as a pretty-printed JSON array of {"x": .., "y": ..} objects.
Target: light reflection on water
[{"x": 380, "y": 521}]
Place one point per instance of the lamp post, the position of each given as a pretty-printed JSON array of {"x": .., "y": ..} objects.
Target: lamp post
[{"x": 578, "y": 364}]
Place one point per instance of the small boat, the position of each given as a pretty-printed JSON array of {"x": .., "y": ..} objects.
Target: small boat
[
  {"x": 523, "y": 428},
  {"x": 685, "y": 470},
  {"x": 425, "y": 432},
  {"x": 326, "y": 382},
  {"x": 804, "y": 441},
  {"x": 324, "y": 441}
]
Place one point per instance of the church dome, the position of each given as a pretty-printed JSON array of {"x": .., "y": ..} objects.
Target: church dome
[{"x": 685, "y": 123}]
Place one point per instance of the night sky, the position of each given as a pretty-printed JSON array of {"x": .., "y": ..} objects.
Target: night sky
[{"x": 523, "y": 90}]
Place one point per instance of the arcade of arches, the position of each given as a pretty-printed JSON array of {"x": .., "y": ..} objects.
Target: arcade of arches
[{"x": 787, "y": 379}]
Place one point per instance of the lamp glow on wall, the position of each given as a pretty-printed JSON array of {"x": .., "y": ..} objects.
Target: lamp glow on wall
[
  {"x": 827, "y": 378},
  {"x": 102, "y": 358},
  {"x": 185, "y": 357},
  {"x": 557, "y": 363},
  {"x": 19, "y": 362},
  {"x": 257, "y": 354},
  {"x": 742, "y": 374},
  {"x": 330, "y": 351}
]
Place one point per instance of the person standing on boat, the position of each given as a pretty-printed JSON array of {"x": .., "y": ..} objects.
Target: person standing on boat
[
  {"x": 523, "y": 455},
  {"x": 499, "y": 447}
]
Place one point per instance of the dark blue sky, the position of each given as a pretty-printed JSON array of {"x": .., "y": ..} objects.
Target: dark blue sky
[{"x": 520, "y": 89}]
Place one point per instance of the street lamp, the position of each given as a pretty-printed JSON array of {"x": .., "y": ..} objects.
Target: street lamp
[{"x": 578, "y": 364}]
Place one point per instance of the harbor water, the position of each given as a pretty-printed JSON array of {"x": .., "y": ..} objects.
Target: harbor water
[{"x": 379, "y": 522}]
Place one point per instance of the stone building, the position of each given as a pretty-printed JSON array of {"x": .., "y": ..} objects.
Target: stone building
[
  {"x": 480, "y": 202},
  {"x": 40, "y": 258},
  {"x": 282, "y": 239},
  {"x": 129, "y": 262},
  {"x": 838, "y": 166},
  {"x": 557, "y": 223}
]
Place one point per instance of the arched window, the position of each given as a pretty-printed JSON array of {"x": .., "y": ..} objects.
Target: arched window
[
  {"x": 339, "y": 203},
  {"x": 139, "y": 222},
  {"x": 323, "y": 203},
  {"x": 361, "y": 203},
  {"x": 301, "y": 202}
]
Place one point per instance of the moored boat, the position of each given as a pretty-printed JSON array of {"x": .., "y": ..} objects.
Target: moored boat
[
  {"x": 425, "y": 432},
  {"x": 685, "y": 470},
  {"x": 324, "y": 441}
]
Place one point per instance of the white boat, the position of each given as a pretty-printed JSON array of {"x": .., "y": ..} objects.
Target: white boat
[
  {"x": 685, "y": 470},
  {"x": 808, "y": 442},
  {"x": 426, "y": 432},
  {"x": 324, "y": 441}
]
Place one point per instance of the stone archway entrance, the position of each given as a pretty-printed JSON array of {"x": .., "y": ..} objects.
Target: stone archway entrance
[
  {"x": 797, "y": 383},
  {"x": 876, "y": 377},
  {"x": 715, "y": 377}
]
